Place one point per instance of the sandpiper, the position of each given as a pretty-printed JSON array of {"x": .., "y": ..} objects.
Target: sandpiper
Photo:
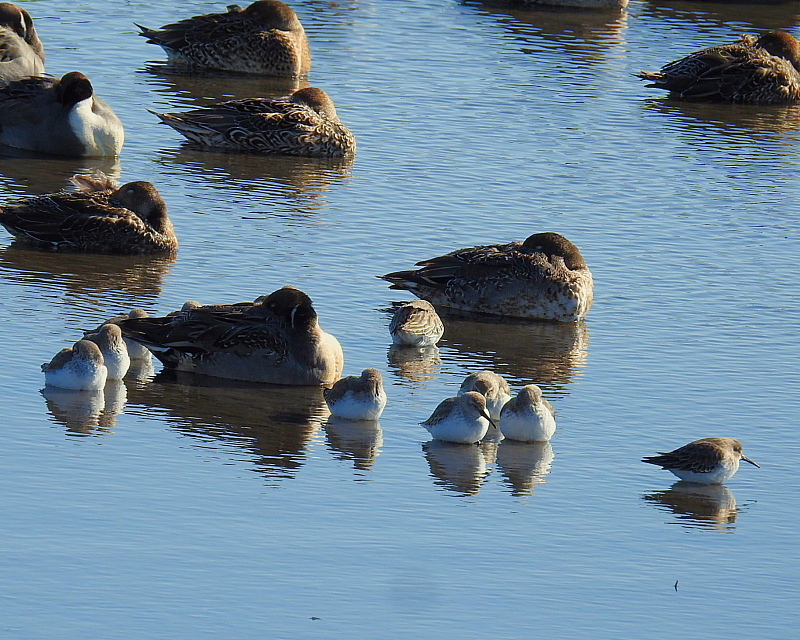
[
  {"x": 754, "y": 70},
  {"x": 303, "y": 124},
  {"x": 529, "y": 417},
  {"x": 78, "y": 367},
  {"x": 99, "y": 218},
  {"x": 277, "y": 340},
  {"x": 543, "y": 278},
  {"x": 705, "y": 461},
  {"x": 266, "y": 38},
  {"x": 491, "y": 386},
  {"x": 460, "y": 419},
  {"x": 115, "y": 353},
  {"x": 357, "y": 397},
  {"x": 136, "y": 351},
  {"x": 62, "y": 116},
  {"x": 416, "y": 324}
]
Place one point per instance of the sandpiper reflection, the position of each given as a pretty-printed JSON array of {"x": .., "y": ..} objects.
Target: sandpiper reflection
[
  {"x": 524, "y": 465},
  {"x": 458, "y": 467},
  {"x": 707, "y": 506},
  {"x": 272, "y": 423},
  {"x": 550, "y": 355},
  {"x": 78, "y": 411},
  {"x": 111, "y": 281},
  {"x": 356, "y": 440},
  {"x": 414, "y": 365}
]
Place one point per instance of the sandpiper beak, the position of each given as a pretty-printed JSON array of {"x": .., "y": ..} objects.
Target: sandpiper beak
[
  {"x": 491, "y": 422},
  {"x": 750, "y": 461}
]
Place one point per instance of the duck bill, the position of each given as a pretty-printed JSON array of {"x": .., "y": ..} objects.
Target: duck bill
[{"x": 750, "y": 461}]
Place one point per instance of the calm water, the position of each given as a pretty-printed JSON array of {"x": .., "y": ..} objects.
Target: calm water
[{"x": 185, "y": 508}]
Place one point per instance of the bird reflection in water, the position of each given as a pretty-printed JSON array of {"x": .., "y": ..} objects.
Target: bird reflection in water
[
  {"x": 274, "y": 424},
  {"x": 356, "y": 440},
  {"x": 550, "y": 355},
  {"x": 30, "y": 173},
  {"x": 524, "y": 465},
  {"x": 108, "y": 281},
  {"x": 459, "y": 467},
  {"x": 414, "y": 365},
  {"x": 705, "y": 506}
]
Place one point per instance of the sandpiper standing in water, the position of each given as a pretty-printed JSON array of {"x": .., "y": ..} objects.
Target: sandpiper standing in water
[{"x": 705, "y": 461}]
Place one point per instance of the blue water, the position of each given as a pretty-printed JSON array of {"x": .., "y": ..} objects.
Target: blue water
[{"x": 190, "y": 508}]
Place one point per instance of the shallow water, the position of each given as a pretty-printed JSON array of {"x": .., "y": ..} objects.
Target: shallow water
[{"x": 180, "y": 507}]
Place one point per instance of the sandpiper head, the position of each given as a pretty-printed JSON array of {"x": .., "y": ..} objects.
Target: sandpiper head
[
  {"x": 476, "y": 402},
  {"x": 317, "y": 99},
  {"x": 143, "y": 199},
  {"x": 109, "y": 335},
  {"x": 554, "y": 244},
  {"x": 372, "y": 375},
  {"x": 737, "y": 447},
  {"x": 292, "y": 305},
  {"x": 87, "y": 350},
  {"x": 73, "y": 88},
  {"x": 530, "y": 393},
  {"x": 782, "y": 44},
  {"x": 20, "y": 21},
  {"x": 272, "y": 14},
  {"x": 138, "y": 313}
]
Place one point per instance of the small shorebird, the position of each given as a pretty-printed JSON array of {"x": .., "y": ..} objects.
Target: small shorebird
[
  {"x": 460, "y": 419},
  {"x": 277, "y": 340},
  {"x": 79, "y": 367},
  {"x": 543, "y": 278},
  {"x": 62, "y": 116},
  {"x": 21, "y": 51},
  {"x": 705, "y": 461},
  {"x": 303, "y": 124},
  {"x": 136, "y": 351},
  {"x": 416, "y": 324},
  {"x": 357, "y": 397},
  {"x": 491, "y": 386},
  {"x": 754, "y": 70},
  {"x": 99, "y": 218},
  {"x": 529, "y": 417},
  {"x": 265, "y": 38},
  {"x": 115, "y": 353}
]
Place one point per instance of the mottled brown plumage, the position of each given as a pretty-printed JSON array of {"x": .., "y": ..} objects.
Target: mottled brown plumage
[
  {"x": 754, "y": 70},
  {"x": 304, "y": 124},
  {"x": 97, "y": 219},
  {"x": 543, "y": 278},
  {"x": 265, "y": 38},
  {"x": 707, "y": 461}
]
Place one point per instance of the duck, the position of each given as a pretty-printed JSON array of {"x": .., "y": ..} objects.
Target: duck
[
  {"x": 462, "y": 419},
  {"x": 98, "y": 218},
  {"x": 115, "y": 353},
  {"x": 21, "y": 51},
  {"x": 277, "y": 340},
  {"x": 79, "y": 367},
  {"x": 416, "y": 324},
  {"x": 60, "y": 116},
  {"x": 761, "y": 69},
  {"x": 543, "y": 278},
  {"x": 528, "y": 417},
  {"x": 303, "y": 124},
  {"x": 704, "y": 461},
  {"x": 357, "y": 397},
  {"x": 265, "y": 38},
  {"x": 491, "y": 386}
]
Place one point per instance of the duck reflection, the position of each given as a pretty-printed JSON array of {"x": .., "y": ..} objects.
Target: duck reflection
[
  {"x": 273, "y": 423},
  {"x": 78, "y": 411},
  {"x": 709, "y": 506},
  {"x": 743, "y": 121},
  {"x": 305, "y": 181},
  {"x": 32, "y": 174},
  {"x": 550, "y": 355},
  {"x": 459, "y": 467},
  {"x": 183, "y": 88},
  {"x": 756, "y": 14},
  {"x": 356, "y": 440},
  {"x": 524, "y": 464},
  {"x": 107, "y": 280},
  {"x": 587, "y": 35},
  {"x": 414, "y": 365}
]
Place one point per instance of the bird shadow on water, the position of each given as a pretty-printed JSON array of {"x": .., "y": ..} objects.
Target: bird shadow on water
[{"x": 273, "y": 424}]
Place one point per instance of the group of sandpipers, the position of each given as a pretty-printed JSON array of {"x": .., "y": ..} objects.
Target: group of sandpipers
[{"x": 277, "y": 338}]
